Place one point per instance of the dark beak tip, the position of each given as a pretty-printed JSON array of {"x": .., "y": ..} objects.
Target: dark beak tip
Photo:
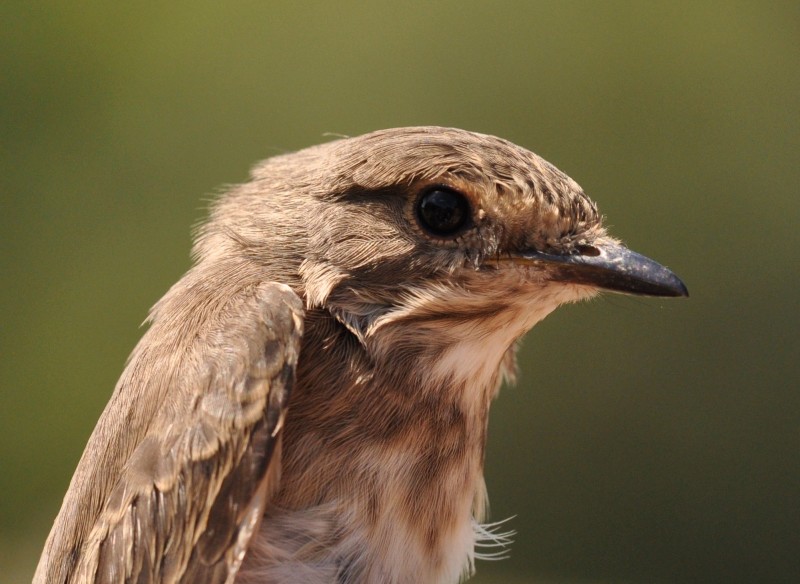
[
  {"x": 672, "y": 290},
  {"x": 658, "y": 282},
  {"x": 670, "y": 287},
  {"x": 681, "y": 289},
  {"x": 644, "y": 277}
]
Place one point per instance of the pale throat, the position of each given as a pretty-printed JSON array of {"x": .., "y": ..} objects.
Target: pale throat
[{"x": 480, "y": 347}]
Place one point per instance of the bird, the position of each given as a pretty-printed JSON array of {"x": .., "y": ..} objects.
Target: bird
[{"x": 309, "y": 402}]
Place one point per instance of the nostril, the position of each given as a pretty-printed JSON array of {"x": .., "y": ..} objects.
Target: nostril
[{"x": 588, "y": 250}]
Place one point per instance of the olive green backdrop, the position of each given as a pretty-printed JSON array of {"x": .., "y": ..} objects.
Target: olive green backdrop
[{"x": 648, "y": 441}]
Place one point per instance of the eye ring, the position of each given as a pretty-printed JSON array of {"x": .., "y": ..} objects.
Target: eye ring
[{"x": 442, "y": 211}]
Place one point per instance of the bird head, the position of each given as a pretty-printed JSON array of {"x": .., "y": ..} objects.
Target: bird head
[{"x": 441, "y": 227}]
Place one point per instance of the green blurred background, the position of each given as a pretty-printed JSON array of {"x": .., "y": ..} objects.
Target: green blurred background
[{"x": 648, "y": 441}]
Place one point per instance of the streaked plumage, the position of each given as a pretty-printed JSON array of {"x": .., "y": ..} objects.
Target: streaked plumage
[{"x": 328, "y": 365}]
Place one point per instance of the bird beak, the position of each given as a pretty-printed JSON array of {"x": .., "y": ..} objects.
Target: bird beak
[{"x": 608, "y": 265}]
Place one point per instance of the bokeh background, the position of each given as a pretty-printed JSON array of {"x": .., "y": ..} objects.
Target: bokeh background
[{"x": 649, "y": 441}]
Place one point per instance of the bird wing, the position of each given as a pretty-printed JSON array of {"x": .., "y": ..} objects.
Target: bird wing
[{"x": 192, "y": 492}]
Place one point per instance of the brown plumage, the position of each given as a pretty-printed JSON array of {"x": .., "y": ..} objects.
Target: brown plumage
[{"x": 311, "y": 399}]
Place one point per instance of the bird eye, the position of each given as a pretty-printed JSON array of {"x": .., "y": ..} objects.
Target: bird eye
[{"x": 442, "y": 211}]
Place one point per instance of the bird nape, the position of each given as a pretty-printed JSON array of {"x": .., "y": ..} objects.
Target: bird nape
[{"x": 310, "y": 401}]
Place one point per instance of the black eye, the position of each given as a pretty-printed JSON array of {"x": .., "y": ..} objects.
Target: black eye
[{"x": 442, "y": 211}]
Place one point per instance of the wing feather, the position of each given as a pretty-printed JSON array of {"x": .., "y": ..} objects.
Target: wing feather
[{"x": 194, "y": 488}]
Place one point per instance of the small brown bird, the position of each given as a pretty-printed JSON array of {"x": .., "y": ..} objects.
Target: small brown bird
[{"x": 311, "y": 399}]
